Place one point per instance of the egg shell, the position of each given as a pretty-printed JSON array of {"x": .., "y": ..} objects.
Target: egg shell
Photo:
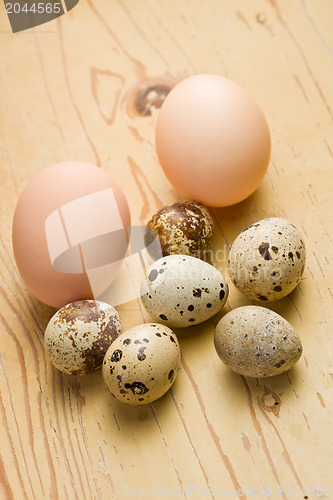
[
  {"x": 256, "y": 342},
  {"x": 180, "y": 290},
  {"x": 141, "y": 365},
  {"x": 67, "y": 227},
  {"x": 79, "y": 334},
  {"x": 267, "y": 259},
  {"x": 212, "y": 140},
  {"x": 183, "y": 228}
]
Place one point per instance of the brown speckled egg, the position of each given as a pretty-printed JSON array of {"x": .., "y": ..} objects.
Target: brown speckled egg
[
  {"x": 180, "y": 290},
  {"x": 79, "y": 334},
  {"x": 267, "y": 259},
  {"x": 182, "y": 228},
  {"x": 141, "y": 365},
  {"x": 257, "y": 342}
]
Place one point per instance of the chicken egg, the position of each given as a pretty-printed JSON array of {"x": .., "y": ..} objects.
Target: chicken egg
[
  {"x": 212, "y": 140},
  {"x": 70, "y": 232}
]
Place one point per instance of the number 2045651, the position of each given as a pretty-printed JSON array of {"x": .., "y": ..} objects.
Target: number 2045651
[{"x": 35, "y": 8}]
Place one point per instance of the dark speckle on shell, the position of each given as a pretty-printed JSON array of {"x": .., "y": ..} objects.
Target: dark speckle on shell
[
  {"x": 116, "y": 355},
  {"x": 264, "y": 252},
  {"x": 262, "y": 297},
  {"x": 249, "y": 227},
  {"x": 137, "y": 388},
  {"x": 153, "y": 275}
]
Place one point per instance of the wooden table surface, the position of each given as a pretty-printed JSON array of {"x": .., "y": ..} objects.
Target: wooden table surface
[{"x": 86, "y": 87}]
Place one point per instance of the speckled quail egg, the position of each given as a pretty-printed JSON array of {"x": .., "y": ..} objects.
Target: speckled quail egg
[
  {"x": 267, "y": 259},
  {"x": 79, "y": 334},
  {"x": 141, "y": 365},
  {"x": 180, "y": 290},
  {"x": 180, "y": 228},
  {"x": 257, "y": 342}
]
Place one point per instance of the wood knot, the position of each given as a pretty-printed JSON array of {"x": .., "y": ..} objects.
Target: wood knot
[
  {"x": 261, "y": 18},
  {"x": 270, "y": 401},
  {"x": 148, "y": 96}
]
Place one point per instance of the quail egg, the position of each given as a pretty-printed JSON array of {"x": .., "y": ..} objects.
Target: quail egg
[
  {"x": 141, "y": 365},
  {"x": 180, "y": 290},
  {"x": 256, "y": 342},
  {"x": 79, "y": 334},
  {"x": 267, "y": 259},
  {"x": 180, "y": 228}
]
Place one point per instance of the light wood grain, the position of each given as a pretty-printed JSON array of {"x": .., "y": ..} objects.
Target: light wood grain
[{"x": 67, "y": 91}]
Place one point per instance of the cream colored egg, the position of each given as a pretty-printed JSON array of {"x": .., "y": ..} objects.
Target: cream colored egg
[
  {"x": 257, "y": 342},
  {"x": 141, "y": 365},
  {"x": 267, "y": 259},
  {"x": 180, "y": 290},
  {"x": 79, "y": 334}
]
